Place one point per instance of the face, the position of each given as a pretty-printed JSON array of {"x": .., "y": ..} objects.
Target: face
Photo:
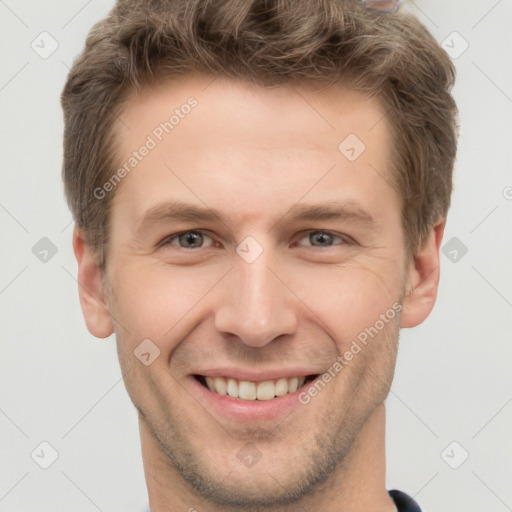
[{"x": 254, "y": 251}]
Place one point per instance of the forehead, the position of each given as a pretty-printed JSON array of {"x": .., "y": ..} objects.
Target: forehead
[
  {"x": 218, "y": 139},
  {"x": 231, "y": 110}
]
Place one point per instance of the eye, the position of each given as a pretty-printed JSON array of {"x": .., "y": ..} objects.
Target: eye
[
  {"x": 186, "y": 240},
  {"x": 195, "y": 239},
  {"x": 319, "y": 238}
]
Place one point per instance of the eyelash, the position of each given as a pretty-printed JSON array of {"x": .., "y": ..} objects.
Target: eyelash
[{"x": 346, "y": 240}]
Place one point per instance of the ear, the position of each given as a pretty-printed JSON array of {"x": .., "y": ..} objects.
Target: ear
[
  {"x": 423, "y": 280},
  {"x": 90, "y": 289}
]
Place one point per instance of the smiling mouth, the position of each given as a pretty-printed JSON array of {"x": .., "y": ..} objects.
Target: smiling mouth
[{"x": 249, "y": 390}]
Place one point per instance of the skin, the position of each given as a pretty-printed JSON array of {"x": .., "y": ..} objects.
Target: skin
[{"x": 254, "y": 154}]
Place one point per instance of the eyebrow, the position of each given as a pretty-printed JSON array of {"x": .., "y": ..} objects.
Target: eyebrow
[
  {"x": 333, "y": 210},
  {"x": 178, "y": 211}
]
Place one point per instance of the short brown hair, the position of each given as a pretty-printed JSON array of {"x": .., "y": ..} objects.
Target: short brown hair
[{"x": 268, "y": 42}]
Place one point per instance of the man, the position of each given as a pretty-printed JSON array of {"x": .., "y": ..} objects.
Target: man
[{"x": 260, "y": 190}]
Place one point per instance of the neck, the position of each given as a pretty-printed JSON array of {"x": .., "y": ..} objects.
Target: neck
[{"x": 357, "y": 484}]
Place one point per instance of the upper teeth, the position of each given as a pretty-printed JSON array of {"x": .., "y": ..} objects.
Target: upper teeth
[{"x": 246, "y": 390}]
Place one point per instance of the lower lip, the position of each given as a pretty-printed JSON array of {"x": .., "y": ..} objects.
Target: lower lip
[{"x": 248, "y": 410}]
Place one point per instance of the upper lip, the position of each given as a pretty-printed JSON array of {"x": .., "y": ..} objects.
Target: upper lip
[{"x": 256, "y": 375}]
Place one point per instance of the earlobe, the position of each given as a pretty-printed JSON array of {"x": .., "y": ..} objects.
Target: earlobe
[
  {"x": 90, "y": 289},
  {"x": 423, "y": 280}
]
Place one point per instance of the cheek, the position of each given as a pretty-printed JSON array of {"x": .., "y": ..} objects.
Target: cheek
[
  {"x": 154, "y": 300},
  {"x": 349, "y": 298}
]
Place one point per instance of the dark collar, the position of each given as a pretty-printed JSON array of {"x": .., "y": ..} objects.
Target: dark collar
[{"x": 403, "y": 502}]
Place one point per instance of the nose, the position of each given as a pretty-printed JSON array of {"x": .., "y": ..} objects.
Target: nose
[{"x": 255, "y": 304}]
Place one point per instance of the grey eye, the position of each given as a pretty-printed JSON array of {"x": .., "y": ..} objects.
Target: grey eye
[
  {"x": 321, "y": 238},
  {"x": 191, "y": 239}
]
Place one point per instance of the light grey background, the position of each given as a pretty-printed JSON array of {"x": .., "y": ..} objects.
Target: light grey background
[{"x": 61, "y": 385}]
